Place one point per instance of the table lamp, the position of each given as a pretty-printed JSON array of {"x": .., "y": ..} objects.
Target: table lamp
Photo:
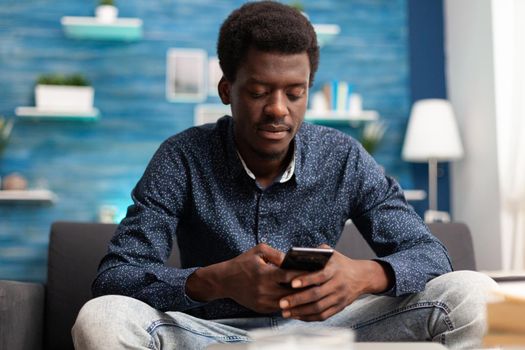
[{"x": 432, "y": 136}]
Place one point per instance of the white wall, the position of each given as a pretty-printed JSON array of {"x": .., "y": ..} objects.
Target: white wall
[{"x": 470, "y": 84}]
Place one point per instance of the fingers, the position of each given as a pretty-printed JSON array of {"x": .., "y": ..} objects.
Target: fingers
[
  {"x": 285, "y": 278},
  {"x": 306, "y": 297},
  {"x": 312, "y": 278},
  {"x": 325, "y": 292},
  {"x": 312, "y": 304},
  {"x": 269, "y": 254},
  {"x": 275, "y": 257},
  {"x": 270, "y": 274}
]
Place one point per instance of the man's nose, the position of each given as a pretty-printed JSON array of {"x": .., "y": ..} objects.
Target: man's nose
[{"x": 276, "y": 106}]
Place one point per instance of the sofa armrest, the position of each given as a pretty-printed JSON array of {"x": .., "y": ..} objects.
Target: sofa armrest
[{"x": 21, "y": 315}]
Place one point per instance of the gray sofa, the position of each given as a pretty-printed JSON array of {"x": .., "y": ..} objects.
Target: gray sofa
[{"x": 35, "y": 316}]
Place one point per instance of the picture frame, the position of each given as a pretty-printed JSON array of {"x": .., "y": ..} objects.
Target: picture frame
[{"x": 185, "y": 75}]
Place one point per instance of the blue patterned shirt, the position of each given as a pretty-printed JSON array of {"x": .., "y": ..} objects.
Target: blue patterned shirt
[{"x": 196, "y": 193}]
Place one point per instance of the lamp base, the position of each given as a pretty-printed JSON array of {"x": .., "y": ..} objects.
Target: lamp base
[{"x": 436, "y": 216}]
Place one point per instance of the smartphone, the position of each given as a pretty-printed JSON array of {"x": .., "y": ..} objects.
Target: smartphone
[{"x": 307, "y": 259}]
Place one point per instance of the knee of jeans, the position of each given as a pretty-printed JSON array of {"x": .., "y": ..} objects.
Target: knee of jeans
[
  {"x": 463, "y": 287},
  {"x": 94, "y": 316},
  {"x": 465, "y": 293}
]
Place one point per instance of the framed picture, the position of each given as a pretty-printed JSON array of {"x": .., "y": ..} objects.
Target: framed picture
[
  {"x": 214, "y": 75},
  {"x": 185, "y": 75}
]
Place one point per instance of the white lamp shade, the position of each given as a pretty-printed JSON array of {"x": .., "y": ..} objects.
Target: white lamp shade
[{"x": 432, "y": 132}]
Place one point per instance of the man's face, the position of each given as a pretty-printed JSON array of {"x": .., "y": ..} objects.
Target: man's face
[{"x": 268, "y": 100}]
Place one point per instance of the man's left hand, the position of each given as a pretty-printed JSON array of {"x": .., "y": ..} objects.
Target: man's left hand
[{"x": 326, "y": 292}]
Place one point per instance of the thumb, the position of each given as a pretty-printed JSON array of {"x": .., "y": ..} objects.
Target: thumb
[
  {"x": 271, "y": 255},
  {"x": 324, "y": 245}
]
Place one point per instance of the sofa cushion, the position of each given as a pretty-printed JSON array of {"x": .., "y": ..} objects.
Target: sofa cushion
[
  {"x": 21, "y": 315},
  {"x": 75, "y": 251}
]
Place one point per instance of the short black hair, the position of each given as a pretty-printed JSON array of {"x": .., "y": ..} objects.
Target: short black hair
[{"x": 267, "y": 26}]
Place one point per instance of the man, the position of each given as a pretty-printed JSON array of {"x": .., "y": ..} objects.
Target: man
[{"x": 237, "y": 194}]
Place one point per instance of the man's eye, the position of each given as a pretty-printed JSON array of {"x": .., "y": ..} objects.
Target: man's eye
[
  {"x": 294, "y": 97},
  {"x": 295, "y": 94},
  {"x": 257, "y": 94}
]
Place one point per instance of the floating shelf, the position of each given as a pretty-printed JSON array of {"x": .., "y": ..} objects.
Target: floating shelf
[
  {"x": 27, "y": 196},
  {"x": 415, "y": 195},
  {"x": 40, "y": 114},
  {"x": 337, "y": 117},
  {"x": 326, "y": 33},
  {"x": 125, "y": 29}
]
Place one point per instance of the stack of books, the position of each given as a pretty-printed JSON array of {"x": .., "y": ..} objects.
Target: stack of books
[
  {"x": 338, "y": 96},
  {"x": 506, "y": 322}
]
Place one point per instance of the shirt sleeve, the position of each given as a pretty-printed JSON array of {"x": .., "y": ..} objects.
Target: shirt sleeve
[
  {"x": 135, "y": 263},
  {"x": 395, "y": 232}
]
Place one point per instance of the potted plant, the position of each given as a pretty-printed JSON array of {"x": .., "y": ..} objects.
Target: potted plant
[
  {"x": 372, "y": 135},
  {"x": 58, "y": 92},
  {"x": 6, "y": 125},
  {"x": 106, "y": 11}
]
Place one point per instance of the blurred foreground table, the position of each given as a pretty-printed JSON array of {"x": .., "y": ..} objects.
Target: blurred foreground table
[{"x": 354, "y": 346}]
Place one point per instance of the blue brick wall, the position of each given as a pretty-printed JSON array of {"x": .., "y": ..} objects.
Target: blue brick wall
[{"x": 94, "y": 164}]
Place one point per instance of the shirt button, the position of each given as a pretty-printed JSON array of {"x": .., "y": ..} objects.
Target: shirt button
[{"x": 263, "y": 240}]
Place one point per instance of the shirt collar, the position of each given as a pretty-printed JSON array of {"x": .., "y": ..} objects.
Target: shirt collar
[{"x": 285, "y": 176}]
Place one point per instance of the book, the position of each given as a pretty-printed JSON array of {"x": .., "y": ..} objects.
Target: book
[
  {"x": 334, "y": 93},
  {"x": 342, "y": 96},
  {"x": 506, "y": 316},
  {"x": 338, "y": 95},
  {"x": 497, "y": 339},
  {"x": 506, "y": 319}
]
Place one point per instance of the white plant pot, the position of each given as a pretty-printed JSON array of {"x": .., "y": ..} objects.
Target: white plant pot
[
  {"x": 64, "y": 98},
  {"x": 106, "y": 13}
]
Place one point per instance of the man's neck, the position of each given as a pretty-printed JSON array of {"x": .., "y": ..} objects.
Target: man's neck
[{"x": 266, "y": 170}]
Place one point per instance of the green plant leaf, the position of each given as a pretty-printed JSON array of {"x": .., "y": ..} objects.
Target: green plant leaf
[
  {"x": 75, "y": 79},
  {"x": 6, "y": 126},
  {"x": 371, "y": 135},
  {"x": 107, "y": 2}
]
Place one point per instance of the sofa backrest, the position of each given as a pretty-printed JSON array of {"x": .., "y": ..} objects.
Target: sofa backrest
[
  {"x": 75, "y": 250},
  {"x": 455, "y": 237}
]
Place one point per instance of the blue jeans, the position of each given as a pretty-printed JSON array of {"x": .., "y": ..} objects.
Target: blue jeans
[{"x": 451, "y": 311}]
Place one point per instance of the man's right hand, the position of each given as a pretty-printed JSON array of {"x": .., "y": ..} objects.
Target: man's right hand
[{"x": 253, "y": 279}]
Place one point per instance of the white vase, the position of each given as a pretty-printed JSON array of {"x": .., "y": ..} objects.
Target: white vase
[
  {"x": 64, "y": 98},
  {"x": 106, "y": 13}
]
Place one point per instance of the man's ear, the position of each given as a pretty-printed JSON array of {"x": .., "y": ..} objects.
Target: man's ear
[{"x": 224, "y": 91}]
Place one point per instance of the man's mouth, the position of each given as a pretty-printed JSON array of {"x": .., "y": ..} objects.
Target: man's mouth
[
  {"x": 274, "y": 128},
  {"x": 273, "y": 131}
]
